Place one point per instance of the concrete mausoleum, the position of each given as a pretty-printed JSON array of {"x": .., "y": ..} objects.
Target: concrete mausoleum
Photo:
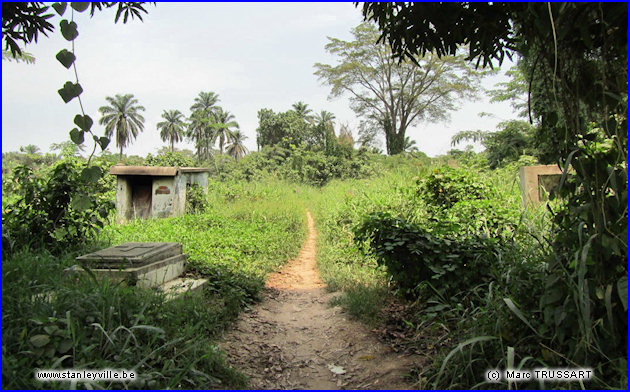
[
  {"x": 537, "y": 181},
  {"x": 154, "y": 191}
]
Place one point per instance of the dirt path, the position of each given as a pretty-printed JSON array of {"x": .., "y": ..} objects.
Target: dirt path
[{"x": 294, "y": 340}]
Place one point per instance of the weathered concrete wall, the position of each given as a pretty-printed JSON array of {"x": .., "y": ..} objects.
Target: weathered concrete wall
[
  {"x": 123, "y": 199},
  {"x": 198, "y": 178},
  {"x": 537, "y": 181},
  {"x": 179, "y": 198},
  {"x": 162, "y": 193}
]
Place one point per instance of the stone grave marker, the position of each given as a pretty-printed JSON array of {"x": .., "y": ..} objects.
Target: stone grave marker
[{"x": 144, "y": 264}]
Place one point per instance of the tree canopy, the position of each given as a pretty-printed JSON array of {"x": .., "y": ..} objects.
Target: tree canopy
[{"x": 396, "y": 94}]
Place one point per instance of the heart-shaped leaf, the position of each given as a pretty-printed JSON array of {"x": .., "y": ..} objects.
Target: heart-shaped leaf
[
  {"x": 81, "y": 202},
  {"x": 79, "y": 6},
  {"x": 102, "y": 141},
  {"x": 84, "y": 122},
  {"x": 69, "y": 91},
  {"x": 76, "y": 136},
  {"x": 91, "y": 173},
  {"x": 60, "y": 8},
  {"x": 40, "y": 340},
  {"x": 66, "y": 58},
  {"x": 69, "y": 30}
]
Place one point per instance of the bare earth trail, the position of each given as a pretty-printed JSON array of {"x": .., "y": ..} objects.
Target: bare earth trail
[{"x": 293, "y": 339}]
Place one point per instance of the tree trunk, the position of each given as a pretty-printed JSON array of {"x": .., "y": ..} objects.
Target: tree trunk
[
  {"x": 395, "y": 143},
  {"x": 121, "y": 153},
  {"x": 172, "y": 145}
]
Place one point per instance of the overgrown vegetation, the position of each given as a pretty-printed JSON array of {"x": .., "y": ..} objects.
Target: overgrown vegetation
[
  {"x": 483, "y": 282},
  {"x": 237, "y": 234}
]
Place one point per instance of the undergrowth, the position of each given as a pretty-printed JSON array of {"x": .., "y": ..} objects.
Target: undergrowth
[{"x": 52, "y": 320}]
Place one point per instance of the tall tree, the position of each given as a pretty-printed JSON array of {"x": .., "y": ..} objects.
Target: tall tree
[
  {"x": 236, "y": 148},
  {"x": 200, "y": 131},
  {"x": 224, "y": 127},
  {"x": 323, "y": 131},
  {"x": 172, "y": 128},
  {"x": 283, "y": 129},
  {"x": 400, "y": 94},
  {"x": 123, "y": 117},
  {"x": 202, "y": 119}
]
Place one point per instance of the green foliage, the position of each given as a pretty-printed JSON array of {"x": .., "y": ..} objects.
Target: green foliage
[
  {"x": 299, "y": 165},
  {"x": 174, "y": 159},
  {"x": 196, "y": 201},
  {"x": 63, "y": 210},
  {"x": 281, "y": 129},
  {"x": 55, "y": 319},
  {"x": 449, "y": 266},
  {"x": 447, "y": 186}
]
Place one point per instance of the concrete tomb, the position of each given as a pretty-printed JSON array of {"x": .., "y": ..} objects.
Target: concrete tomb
[
  {"x": 154, "y": 191},
  {"x": 143, "y": 264}
]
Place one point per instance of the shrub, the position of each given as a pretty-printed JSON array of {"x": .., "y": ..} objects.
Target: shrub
[
  {"x": 66, "y": 209},
  {"x": 196, "y": 199},
  {"x": 447, "y": 186},
  {"x": 412, "y": 256}
]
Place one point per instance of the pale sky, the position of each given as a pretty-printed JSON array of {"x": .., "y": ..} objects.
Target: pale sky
[{"x": 253, "y": 55}]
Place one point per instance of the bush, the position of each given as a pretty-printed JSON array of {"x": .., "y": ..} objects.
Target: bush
[
  {"x": 196, "y": 199},
  {"x": 66, "y": 209},
  {"x": 447, "y": 186},
  {"x": 412, "y": 256}
]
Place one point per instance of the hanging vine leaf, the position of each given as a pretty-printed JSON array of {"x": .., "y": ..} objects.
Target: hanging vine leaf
[
  {"x": 80, "y": 7},
  {"x": 69, "y": 91},
  {"x": 76, "y": 136},
  {"x": 102, "y": 141},
  {"x": 60, "y": 8},
  {"x": 66, "y": 58},
  {"x": 69, "y": 30},
  {"x": 84, "y": 122}
]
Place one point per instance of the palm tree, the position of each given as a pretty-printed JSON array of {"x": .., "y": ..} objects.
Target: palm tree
[
  {"x": 123, "y": 116},
  {"x": 200, "y": 131},
  {"x": 203, "y": 115},
  {"x": 222, "y": 127},
  {"x": 325, "y": 128},
  {"x": 303, "y": 111},
  {"x": 172, "y": 129},
  {"x": 237, "y": 149},
  {"x": 29, "y": 149},
  {"x": 206, "y": 101},
  {"x": 325, "y": 117}
]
